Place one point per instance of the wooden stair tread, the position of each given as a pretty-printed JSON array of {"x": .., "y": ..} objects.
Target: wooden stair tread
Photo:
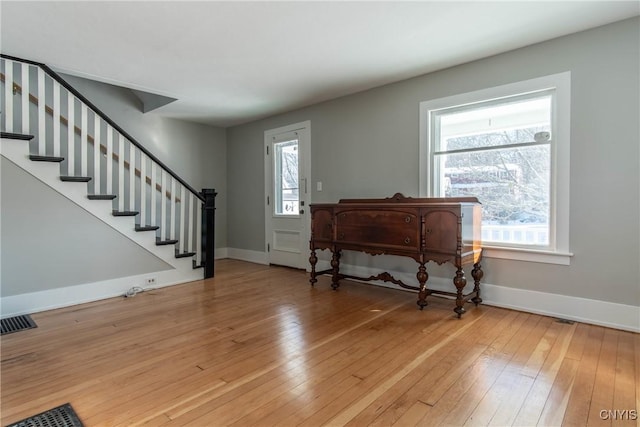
[
  {"x": 165, "y": 242},
  {"x": 75, "y": 178},
  {"x": 124, "y": 213},
  {"x": 184, "y": 254},
  {"x": 53, "y": 159},
  {"x": 147, "y": 227},
  {"x": 11, "y": 135},
  {"x": 101, "y": 196}
]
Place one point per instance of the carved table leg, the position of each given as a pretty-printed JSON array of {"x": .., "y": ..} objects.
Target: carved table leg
[
  {"x": 335, "y": 264},
  {"x": 477, "y": 274},
  {"x": 313, "y": 260},
  {"x": 422, "y": 276},
  {"x": 460, "y": 282}
]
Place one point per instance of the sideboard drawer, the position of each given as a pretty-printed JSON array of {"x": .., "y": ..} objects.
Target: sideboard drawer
[{"x": 400, "y": 229}]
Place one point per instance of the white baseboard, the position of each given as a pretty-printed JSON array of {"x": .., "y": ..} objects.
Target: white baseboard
[
  {"x": 247, "y": 255},
  {"x": 72, "y": 295},
  {"x": 63, "y": 297},
  {"x": 602, "y": 313}
]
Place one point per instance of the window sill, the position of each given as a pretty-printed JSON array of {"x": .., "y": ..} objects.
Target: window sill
[{"x": 529, "y": 255}]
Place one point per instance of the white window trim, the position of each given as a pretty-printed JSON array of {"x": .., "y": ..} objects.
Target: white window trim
[{"x": 559, "y": 227}]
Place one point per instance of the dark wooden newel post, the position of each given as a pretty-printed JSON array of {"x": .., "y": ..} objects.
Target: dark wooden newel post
[{"x": 208, "y": 230}]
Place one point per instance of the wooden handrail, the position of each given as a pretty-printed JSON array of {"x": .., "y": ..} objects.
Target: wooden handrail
[
  {"x": 103, "y": 149},
  {"x": 106, "y": 118}
]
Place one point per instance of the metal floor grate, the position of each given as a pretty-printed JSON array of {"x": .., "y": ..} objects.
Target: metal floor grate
[
  {"x": 62, "y": 416},
  {"x": 17, "y": 323}
]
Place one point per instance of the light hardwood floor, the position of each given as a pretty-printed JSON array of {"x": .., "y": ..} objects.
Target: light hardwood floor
[{"x": 257, "y": 346}]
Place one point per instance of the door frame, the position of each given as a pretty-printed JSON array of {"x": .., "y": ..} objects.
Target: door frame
[{"x": 304, "y": 144}]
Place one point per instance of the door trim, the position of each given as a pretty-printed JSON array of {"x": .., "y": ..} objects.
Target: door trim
[{"x": 303, "y": 128}]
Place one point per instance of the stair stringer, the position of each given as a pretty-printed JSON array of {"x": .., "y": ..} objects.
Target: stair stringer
[{"x": 17, "y": 151}]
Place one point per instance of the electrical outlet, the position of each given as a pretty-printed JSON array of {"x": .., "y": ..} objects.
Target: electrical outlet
[{"x": 151, "y": 281}]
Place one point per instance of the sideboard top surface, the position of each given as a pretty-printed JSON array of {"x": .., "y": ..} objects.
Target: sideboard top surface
[{"x": 401, "y": 201}]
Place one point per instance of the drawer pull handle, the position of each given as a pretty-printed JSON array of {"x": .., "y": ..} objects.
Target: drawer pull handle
[
  {"x": 407, "y": 240},
  {"x": 407, "y": 219},
  {"x": 341, "y": 235}
]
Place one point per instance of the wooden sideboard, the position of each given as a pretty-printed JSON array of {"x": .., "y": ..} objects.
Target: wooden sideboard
[{"x": 425, "y": 229}]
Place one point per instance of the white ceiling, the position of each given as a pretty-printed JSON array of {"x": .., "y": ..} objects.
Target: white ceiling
[{"x": 233, "y": 62}]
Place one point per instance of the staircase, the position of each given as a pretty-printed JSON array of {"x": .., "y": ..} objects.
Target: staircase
[{"x": 53, "y": 132}]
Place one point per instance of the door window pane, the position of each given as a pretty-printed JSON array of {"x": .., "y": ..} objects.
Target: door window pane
[{"x": 286, "y": 177}]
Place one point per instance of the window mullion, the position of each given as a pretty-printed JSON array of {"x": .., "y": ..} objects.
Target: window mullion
[{"x": 493, "y": 147}]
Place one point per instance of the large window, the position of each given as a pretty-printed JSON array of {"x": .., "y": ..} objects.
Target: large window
[
  {"x": 499, "y": 151},
  {"x": 507, "y": 147}
]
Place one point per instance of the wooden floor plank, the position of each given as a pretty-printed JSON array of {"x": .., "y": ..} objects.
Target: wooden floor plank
[
  {"x": 558, "y": 399},
  {"x": 330, "y": 370},
  {"x": 524, "y": 378},
  {"x": 317, "y": 405},
  {"x": 636, "y": 341},
  {"x": 603, "y": 388},
  {"x": 466, "y": 394},
  {"x": 624, "y": 395},
  {"x": 257, "y": 346},
  {"x": 531, "y": 409},
  {"x": 353, "y": 410},
  {"x": 580, "y": 400},
  {"x": 413, "y": 415},
  {"x": 410, "y": 389},
  {"x": 302, "y": 401}
]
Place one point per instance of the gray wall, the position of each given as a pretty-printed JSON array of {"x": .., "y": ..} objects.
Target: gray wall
[
  {"x": 49, "y": 242},
  {"x": 196, "y": 152},
  {"x": 366, "y": 145}
]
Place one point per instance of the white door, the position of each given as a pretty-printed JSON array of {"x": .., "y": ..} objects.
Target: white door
[{"x": 287, "y": 170}]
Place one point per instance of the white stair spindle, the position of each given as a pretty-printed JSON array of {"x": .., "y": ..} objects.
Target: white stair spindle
[
  {"x": 172, "y": 203},
  {"x": 153, "y": 220},
  {"x": 183, "y": 202},
  {"x": 143, "y": 189},
  {"x": 56, "y": 118},
  {"x": 109, "y": 165},
  {"x": 198, "y": 232},
  {"x": 190, "y": 225},
  {"x": 97, "y": 154},
  {"x": 84, "y": 138},
  {"x": 121, "y": 173},
  {"x": 71, "y": 134},
  {"x": 42, "y": 129},
  {"x": 163, "y": 205},
  {"x": 25, "y": 100},
  {"x": 8, "y": 96},
  {"x": 132, "y": 177}
]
